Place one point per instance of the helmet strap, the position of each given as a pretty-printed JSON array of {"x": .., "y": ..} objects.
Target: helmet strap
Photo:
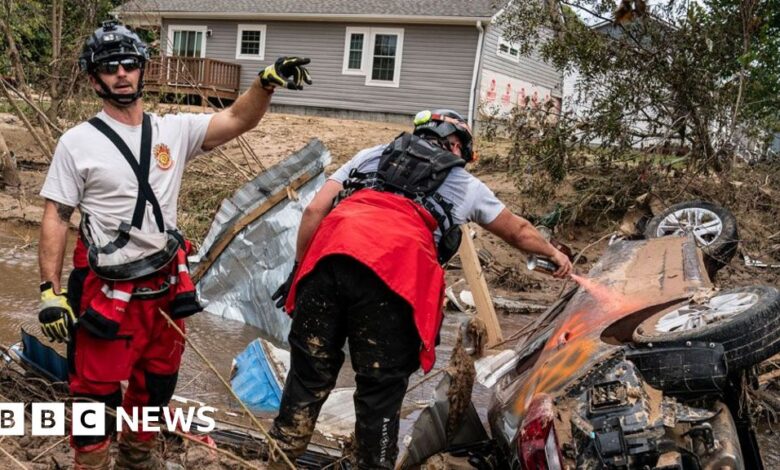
[{"x": 121, "y": 100}]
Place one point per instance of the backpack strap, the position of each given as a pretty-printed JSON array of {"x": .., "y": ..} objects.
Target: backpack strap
[
  {"x": 140, "y": 169},
  {"x": 414, "y": 167}
]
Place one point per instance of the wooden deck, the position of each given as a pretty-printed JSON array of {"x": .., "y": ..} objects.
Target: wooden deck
[{"x": 193, "y": 76}]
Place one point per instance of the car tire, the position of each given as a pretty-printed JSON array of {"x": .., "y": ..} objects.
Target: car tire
[
  {"x": 746, "y": 320},
  {"x": 718, "y": 242}
]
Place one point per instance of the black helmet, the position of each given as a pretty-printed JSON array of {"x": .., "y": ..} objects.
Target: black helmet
[
  {"x": 113, "y": 41},
  {"x": 443, "y": 122}
]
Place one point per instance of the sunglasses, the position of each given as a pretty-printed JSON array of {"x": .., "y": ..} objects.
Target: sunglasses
[{"x": 112, "y": 66}]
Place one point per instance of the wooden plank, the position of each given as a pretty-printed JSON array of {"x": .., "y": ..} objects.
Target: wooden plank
[
  {"x": 475, "y": 277},
  {"x": 220, "y": 244}
]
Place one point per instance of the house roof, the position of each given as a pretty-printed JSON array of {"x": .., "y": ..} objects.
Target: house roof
[{"x": 325, "y": 9}]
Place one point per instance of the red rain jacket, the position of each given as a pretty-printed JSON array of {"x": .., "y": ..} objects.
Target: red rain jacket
[{"x": 393, "y": 236}]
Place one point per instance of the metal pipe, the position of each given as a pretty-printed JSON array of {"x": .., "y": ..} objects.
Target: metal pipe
[{"x": 475, "y": 74}]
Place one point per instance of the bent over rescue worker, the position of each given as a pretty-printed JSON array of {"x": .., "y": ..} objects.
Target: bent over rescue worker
[
  {"x": 369, "y": 269},
  {"x": 123, "y": 170}
]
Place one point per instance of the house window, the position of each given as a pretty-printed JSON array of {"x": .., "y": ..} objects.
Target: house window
[
  {"x": 385, "y": 50},
  {"x": 250, "y": 42},
  {"x": 187, "y": 41},
  {"x": 508, "y": 50},
  {"x": 375, "y": 53},
  {"x": 355, "y": 51}
]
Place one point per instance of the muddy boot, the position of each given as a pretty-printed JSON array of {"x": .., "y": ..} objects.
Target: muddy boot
[
  {"x": 135, "y": 454},
  {"x": 93, "y": 457},
  {"x": 289, "y": 446},
  {"x": 278, "y": 464}
]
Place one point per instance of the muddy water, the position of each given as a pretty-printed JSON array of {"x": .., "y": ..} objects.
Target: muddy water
[
  {"x": 219, "y": 340},
  {"x": 18, "y": 282}
]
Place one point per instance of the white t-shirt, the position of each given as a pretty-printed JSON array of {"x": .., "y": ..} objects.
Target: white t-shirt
[
  {"x": 88, "y": 171},
  {"x": 471, "y": 199}
]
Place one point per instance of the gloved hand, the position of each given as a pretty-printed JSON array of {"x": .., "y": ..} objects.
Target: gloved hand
[
  {"x": 280, "y": 296},
  {"x": 288, "y": 72},
  {"x": 56, "y": 316}
]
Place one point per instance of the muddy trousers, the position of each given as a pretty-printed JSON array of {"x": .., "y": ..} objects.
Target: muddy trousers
[
  {"x": 146, "y": 353},
  {"x": 343, "y": 299}
]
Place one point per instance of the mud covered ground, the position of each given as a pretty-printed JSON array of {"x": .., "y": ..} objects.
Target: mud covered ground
[{"x": 751, "y": 194}]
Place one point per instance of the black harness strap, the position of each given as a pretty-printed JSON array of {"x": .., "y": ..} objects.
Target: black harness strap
[
  {"x": 415, "y": 169},
  {"x": 141, "y": 170}
]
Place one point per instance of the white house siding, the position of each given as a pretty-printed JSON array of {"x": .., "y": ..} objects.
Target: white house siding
[
  {"x": 504, "y": 81},
  {"x": 436, "y": 70}
]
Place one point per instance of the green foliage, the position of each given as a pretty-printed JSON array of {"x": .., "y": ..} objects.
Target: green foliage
[
  {"x": 703, "y": 76},
  {"x": 30, "y": 22}
]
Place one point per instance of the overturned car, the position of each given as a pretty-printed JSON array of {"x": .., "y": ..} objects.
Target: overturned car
[
  {"x": 644, "y": 366},
  {"x": 641, "y": 368}
]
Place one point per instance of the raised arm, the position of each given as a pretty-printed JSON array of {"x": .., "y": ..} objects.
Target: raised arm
[
  {"x": 519, "y": 233},
  {"x": 242, "y": 116},
  {"x": 249, "y": 108}
]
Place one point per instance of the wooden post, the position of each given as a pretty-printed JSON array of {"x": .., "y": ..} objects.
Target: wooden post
[
  {"x": 206, "y": 80},
  {"x": 472, "y": 270}
]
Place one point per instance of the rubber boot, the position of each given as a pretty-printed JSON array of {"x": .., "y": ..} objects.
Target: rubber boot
[
  {"x": 93, "y": 457},
  {"x": 135, "y": 454},
  {"x": 276, "y": 461}
]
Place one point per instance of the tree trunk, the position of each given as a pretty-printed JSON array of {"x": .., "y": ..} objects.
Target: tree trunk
[
  {"x": 17, "y": 65},
  {"x": 55, "y": 79},
  {"x": 45, "y": 148},
  {"x": 9, "y": 176},
  {"x": 556, "y": 17},
  {"x": 12, "y": 50}
]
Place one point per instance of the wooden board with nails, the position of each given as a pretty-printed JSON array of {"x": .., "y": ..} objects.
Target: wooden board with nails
[{"x": 472, "y": 271}]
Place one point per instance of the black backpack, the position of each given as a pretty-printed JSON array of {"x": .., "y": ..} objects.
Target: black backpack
[{"x": 415, "y": 168}]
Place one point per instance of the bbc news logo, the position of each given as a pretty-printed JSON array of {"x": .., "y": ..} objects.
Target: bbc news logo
[{"x": 89, "y": 419}]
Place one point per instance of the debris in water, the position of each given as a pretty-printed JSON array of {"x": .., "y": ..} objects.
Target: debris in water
[{"x": 471, "y": 342}]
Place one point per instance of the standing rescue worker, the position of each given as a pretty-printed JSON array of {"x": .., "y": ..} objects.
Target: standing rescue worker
[
  {"x": 123, "y": 170},
  {"x": 369, "y": 270}
]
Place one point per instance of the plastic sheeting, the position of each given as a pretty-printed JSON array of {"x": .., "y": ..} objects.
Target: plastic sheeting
[
  {"x": 259, "y": 374},
  {"x": 239, "y": 284}
]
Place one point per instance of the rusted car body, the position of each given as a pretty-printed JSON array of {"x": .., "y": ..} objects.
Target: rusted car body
[{"x": 582, "y": 395}]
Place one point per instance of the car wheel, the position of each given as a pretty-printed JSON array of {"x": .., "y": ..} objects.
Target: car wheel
[
  {"x": 745, "y": 320},
  {"x": 714, "y": 228}
]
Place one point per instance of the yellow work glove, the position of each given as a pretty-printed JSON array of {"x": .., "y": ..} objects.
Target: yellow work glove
[
  {"x": 56, "y": 316},
  {"x": 288, "y": 72}
]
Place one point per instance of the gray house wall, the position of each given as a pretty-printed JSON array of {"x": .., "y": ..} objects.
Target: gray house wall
[
  {"x": 436, "y": 70},
  {"x": 530, "y": 68}
]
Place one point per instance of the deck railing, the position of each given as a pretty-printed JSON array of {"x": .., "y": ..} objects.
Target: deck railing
[{"x": 193, "y": 75}]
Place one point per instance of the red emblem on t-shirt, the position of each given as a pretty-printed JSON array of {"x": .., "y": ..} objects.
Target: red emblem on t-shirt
[{"x": 163, "y": 156}]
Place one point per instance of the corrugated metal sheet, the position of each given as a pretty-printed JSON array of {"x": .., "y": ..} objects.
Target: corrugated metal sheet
[{"x": 239, "y": 284}]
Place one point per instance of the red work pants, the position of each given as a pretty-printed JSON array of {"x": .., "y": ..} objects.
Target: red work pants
[{"x": 147, "y": 354}]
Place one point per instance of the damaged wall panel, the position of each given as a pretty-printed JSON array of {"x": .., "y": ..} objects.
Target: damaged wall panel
[{"x": 241, "y": 277}]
